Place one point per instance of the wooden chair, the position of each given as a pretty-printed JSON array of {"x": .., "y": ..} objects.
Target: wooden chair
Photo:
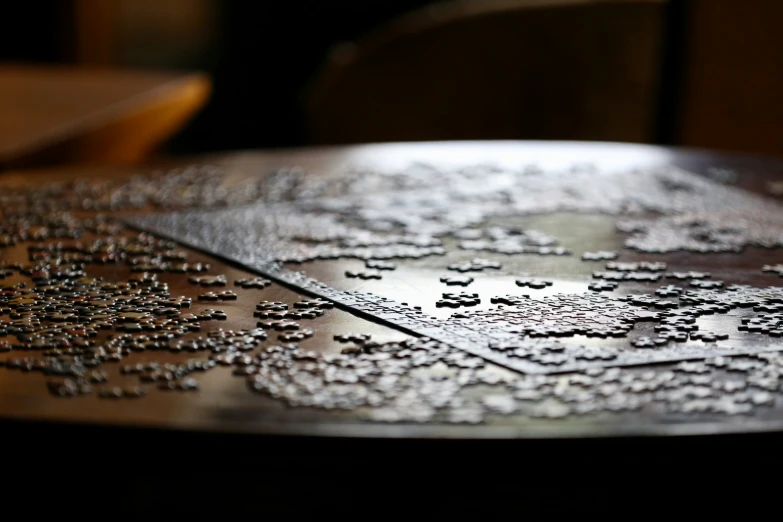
[
  {"x": 53, "y": 115},
  {"x": 557, "y": 69}
]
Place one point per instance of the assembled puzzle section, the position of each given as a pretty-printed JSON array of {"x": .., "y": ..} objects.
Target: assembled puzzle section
[{"x": 397, "y": 219}]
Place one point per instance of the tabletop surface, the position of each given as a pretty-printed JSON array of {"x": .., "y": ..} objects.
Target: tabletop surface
[
  {"x": 43, "y": 106},
  {"x": 467, "y": 290}
]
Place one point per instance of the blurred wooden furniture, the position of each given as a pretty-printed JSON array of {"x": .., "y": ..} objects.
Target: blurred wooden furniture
[
  {"x": 733, "y": 76},
  {"x": 565, "y": 69},
  {"x": 52, "y": 115}
]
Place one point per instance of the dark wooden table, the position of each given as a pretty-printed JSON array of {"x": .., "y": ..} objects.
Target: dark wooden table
[{"x": 303, "y": 219}]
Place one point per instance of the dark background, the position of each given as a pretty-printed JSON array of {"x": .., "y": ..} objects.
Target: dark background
[
  {"x": 720, "y": 79},
  {"x": 261, "y": 55}
]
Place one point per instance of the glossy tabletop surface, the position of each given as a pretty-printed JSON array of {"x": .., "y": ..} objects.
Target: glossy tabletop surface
[{"x": 467, "y": 290}]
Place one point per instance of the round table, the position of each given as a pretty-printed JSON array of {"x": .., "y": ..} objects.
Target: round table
[{"x": 460, "y": 290}]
